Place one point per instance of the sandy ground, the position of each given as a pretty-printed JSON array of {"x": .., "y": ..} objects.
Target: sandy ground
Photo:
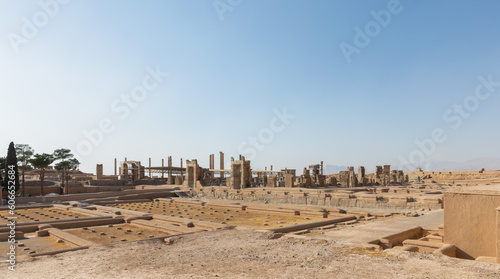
[{"x": 245, "y": 253}]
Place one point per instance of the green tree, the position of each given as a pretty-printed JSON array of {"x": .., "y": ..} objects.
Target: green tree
[
  {"x": 71, "y": 164},
  {"x": 63, "y": 155},
  {"x": 2, "y": 163},
  {"x": 41, "y": 162},
  {"x": 24, "y": 153},
  {"x": 11, "y": 164},
  {"x": 2, "y": 168}
]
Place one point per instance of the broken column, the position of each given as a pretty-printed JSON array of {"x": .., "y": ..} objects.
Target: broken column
[
  {"x": 289, "y": 180},
  {"x": 394, "y": 176},
  {"x": 379, "y": 173},
  {"x": 99, "y": 171},
  {"x": 241, "y": 174},
  {"x": 193, "y": 174},
  {"x": 361, "y": 175},
  {"x": 124, "y": 172},
  {"x": 387, "y": 174},
  {"x": 271, "y": 181},
  {"x": 306, "y": 178},
  {"x": 353, "y": 181},
  {"x": 401, "y": 176},
  {"x": 162, "y": 168}
]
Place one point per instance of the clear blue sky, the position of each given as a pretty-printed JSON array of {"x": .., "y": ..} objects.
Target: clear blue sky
[{"x": 230, "y": 70}]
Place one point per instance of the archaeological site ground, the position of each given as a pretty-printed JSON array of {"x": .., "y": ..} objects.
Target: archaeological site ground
[{"x": 196, "y": 222}]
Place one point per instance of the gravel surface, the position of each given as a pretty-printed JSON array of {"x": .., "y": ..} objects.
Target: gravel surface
[{"x": 245, "y": 253}]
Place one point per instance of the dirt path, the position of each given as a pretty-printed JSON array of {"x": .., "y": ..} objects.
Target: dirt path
[{"x": 245, "y": 254}]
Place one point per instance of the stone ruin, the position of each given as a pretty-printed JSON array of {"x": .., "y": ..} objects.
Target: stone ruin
[{"x": 383, "y": 176}]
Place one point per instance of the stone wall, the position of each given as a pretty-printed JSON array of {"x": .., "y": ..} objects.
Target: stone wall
[
  {"x": 470, "y": 222},
  {"x": 311, "y": 198}
]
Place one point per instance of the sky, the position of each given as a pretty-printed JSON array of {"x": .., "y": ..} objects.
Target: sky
[{"x": 286, "y": 83}]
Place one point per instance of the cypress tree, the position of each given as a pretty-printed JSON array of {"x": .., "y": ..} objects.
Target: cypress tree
[{"x": 11, "y": 165}]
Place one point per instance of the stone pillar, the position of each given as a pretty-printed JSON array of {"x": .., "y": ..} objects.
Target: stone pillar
[
  {"x": 182, "y": 173},
  {"x": 387, "y": 174},
  {"x": 378, "y": 173},
  {"x": 271, "y": 181},
  {"x": 221, "y": 174},
  {"x": 244, "y": 174},
  {"x": 150, "y": 174},
  {"x": 124, "y": 175},
  {"x": 196, "y": 172},
  {"x": 361, "y": 175},
  {"x": 306, "y": 178},
  {"x": 142, "y": 173},
  {"x": 236, "y": 170},
  {"x": 192, "y": 174},
  {"x": 212, "y": 162},
  {"x": 169, "y": 171},
  {"x": 115, "y": 167},
  {"x": 394, "y": 176},
  {"x": 135, "y": 171},
  {"x": 162, "y": 168},
  {"x": 99, "y": 171},
  {"x": 352, "y": 182},
  {"x": 289, "y": 180},
  {"x": 401, "y": 176}
]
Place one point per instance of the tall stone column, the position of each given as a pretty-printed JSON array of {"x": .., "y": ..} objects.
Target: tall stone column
[
  {"x": 221, "y": 165},
  {"x": 162, "y": 168},
  {"x": 169, "y": 171}
]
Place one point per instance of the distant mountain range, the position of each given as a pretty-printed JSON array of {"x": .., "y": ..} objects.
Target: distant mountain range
[{"x": 469, "y": 165}]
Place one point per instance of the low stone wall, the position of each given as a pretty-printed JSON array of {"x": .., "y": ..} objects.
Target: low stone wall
[
  {"x": 36, "y": 190},
  {"x": 133, "y": 193},
  {"x": 78, "y": 189},
  {"x": 311, "y": 198}
]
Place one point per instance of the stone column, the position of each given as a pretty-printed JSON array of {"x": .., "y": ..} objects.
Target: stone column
[
  {"x": 99, "y": 171},
  {"x": 387, "y": 174},
  {"x": 352, "y": 182},
  {"x": 169, "y": 171},
  {"x": 124, "y": 174},
  {"x": 182, "y": 173},
  {"x": 271, "y": 181},
  {"x": 212, "y": 162},
  {"x": 221, "y": 165},
  {"x": 361, "y": 175},
  {"x": 162, "y": 168},
  {"x": 150, "y": 175}
]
